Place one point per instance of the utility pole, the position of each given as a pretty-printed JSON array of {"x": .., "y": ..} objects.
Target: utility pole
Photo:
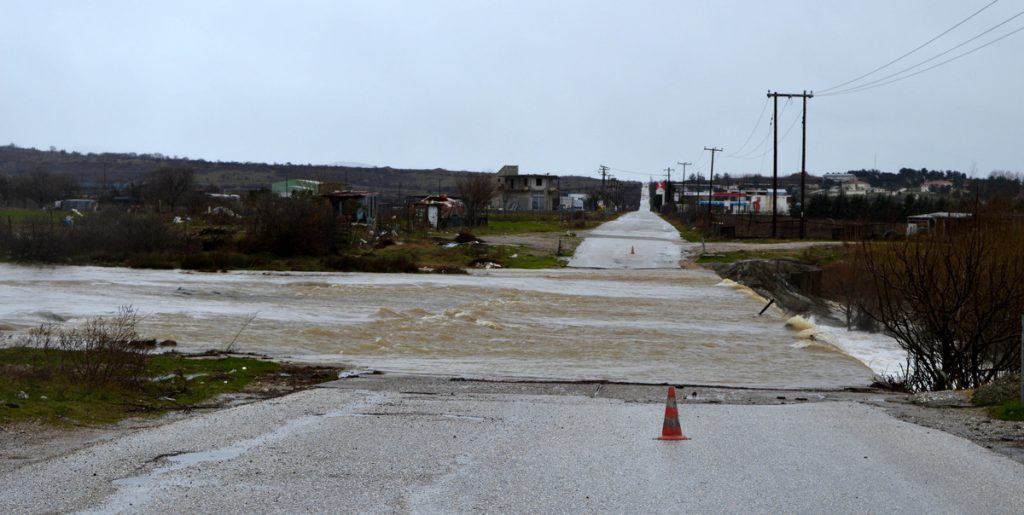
[
  {"x": 668, "y": 187},
  {"x": 775, "y": 160},
  {"x": 803, "y": 169},
  {"x": 604, "y": 173},
  {"x": 682, "y": 196},
  {"x": 711, "y": 180}
]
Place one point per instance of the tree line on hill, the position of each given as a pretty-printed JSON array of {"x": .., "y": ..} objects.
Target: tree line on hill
[{"x": 126, "y": 172}]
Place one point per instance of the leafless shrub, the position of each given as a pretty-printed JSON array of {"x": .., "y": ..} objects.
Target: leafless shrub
[
  {"x": 101, "y": 352},
  {"x": 290, "y": 226},
  {"x": 169, "y": 186},
  {"x": 476, "y": 190},
  {"x": 843, "y": 282},
  {"x": 953, "y": 302},
  {"x": 120, "y": 234}
]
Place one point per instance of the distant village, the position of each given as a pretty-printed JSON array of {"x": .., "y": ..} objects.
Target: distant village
[{"x": 853, "y": 204}]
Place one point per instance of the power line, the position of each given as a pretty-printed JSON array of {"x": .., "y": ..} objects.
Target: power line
[
  {"x": 753, "y": 153},
  {"x": 752, "y": 131},
  {"x": 629, "y": 172},
  {"x": 900, "y": 58},
  {"x": 873, "y": 85},
  {"x": 791, "y": 125},
  {"x": 699, "y": 161}
]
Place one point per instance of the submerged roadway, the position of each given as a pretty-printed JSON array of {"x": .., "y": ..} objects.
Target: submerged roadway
[{"x": 429, "y": 445}]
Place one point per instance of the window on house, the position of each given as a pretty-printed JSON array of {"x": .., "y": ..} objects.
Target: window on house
[{"x": 540, "y": 181}]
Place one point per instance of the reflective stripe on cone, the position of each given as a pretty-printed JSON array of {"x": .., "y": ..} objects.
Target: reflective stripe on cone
[{"x": 671, "y": 430}]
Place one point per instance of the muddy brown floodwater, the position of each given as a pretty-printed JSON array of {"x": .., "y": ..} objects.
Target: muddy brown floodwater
[{"x": 683, "y": 326}]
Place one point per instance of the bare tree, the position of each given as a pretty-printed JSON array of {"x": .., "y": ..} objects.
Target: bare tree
[
  {"x": 170, "y": 185},
  {"x": 43, "y": 187},
  {"x": 5, "y": 189},
  {"x": 292, "y": 226},
  {"x": 842, "y": 281},
  {"x": 476, "y": 191},
  {"x": 952, "y": 302}
]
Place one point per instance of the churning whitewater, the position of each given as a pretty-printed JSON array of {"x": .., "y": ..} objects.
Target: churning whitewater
[{"x": 626, "y": 313}]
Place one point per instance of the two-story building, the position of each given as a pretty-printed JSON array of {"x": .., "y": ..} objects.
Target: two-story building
[{"x": 527, "y": 192}]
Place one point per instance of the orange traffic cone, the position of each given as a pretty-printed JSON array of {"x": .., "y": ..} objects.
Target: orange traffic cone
[
  {"x": 671, "y": 430},
  {"x": 632, "y": 250}
]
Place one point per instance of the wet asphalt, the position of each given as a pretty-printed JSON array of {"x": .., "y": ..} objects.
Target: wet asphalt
[{"x": 432, "y": 445}]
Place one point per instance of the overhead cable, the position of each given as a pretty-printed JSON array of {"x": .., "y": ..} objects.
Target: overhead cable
[
  {"x": 900, "y": 58},
  {"x": 752, "y": 131},
  {"x": 877, "y": 84}
]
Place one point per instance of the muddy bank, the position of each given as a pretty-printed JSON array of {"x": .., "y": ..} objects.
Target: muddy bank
[{"x": 795, "y": 286}]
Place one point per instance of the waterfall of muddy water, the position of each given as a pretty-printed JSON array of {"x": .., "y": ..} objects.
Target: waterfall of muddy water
[{"x": 680, "y": 326}]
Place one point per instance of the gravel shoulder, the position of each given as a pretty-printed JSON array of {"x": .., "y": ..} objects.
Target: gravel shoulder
[{"x": 540, "y": 243}]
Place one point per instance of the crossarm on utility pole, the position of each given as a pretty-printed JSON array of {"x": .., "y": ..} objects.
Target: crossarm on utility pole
[{"x": 775, "y": 158}]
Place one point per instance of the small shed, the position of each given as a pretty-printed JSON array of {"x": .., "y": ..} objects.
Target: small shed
[
  {"x": 358, "y": 207},
  {"x": 80, "y": 204},
  {"x": 935, "y": 223},
  {"x": 438, "y": 211}
]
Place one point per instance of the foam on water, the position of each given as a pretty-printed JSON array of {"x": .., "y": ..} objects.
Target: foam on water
[
  {"x": 879, "y": 352},
  {"x": 642, "y": 326},
  {"x": 729, "y": 283}
]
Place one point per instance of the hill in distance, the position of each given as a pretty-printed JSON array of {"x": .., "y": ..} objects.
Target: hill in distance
[{"x": 92, "y": 171}]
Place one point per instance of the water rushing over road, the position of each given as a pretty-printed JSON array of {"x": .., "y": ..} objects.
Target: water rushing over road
[
  {"x": 629, "y": 325},
  {"x": 629, "y": 313}
]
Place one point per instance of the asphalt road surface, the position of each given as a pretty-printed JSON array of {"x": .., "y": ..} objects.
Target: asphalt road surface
[
  {"x": 636, "y": 240},
  {"x": 343, "y": 448}
]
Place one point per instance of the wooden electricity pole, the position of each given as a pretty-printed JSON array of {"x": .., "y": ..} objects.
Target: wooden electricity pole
[
  {"x": 668, "y": 186},
  {"x": 604, "y": 174},
  {"x": 775, "y": 159},
  {"x": 711, "y": 181},
  {"x": 682, "y": 194}
]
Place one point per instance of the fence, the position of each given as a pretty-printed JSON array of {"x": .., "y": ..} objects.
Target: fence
[{"x": 786, "y": 227}]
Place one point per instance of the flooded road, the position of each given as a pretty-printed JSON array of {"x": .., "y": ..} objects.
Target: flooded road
[
  {"x": 629, "y": 313},
  {"x": 677, "y": 325}
]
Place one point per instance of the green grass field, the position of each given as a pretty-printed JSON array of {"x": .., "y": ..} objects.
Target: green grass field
[
  {"x": 34, "y": 386},
  {"x": 17, "y": 215}
]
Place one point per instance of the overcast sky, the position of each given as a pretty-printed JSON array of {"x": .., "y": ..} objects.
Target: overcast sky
[{"x": 553, "y": 86}]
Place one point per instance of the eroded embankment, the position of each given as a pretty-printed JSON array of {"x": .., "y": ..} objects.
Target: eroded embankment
[
  {"x": 792, "y": 284},
  {"x": 795, "y": 287}
]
